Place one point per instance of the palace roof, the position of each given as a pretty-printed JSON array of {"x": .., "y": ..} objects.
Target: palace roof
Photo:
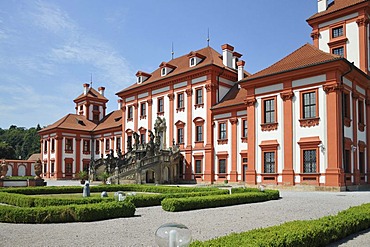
[
  {"x": 181, "y": 65},
  {"x": 111, "y": 120},
  {"x": 72, "y": 122},
  {"x": 91, "y": 93},
  {"x": 337, "y": 5}
]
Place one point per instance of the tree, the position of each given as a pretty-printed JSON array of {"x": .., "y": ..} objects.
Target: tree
[{"x": 6, "y": 151}]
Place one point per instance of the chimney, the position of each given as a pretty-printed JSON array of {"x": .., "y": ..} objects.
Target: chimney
[
  {"x": 236, "y": 56},
  {"x": 86, "y": 88},
  {"x": 101, "y": 90},
  {"x": 120, "y": 101},
  {"x": 240, "y": 64},
  {"x": 227, "y": 55},
  {"x": 322, "y": 5}
]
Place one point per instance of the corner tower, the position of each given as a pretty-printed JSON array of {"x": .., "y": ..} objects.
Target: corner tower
[
  {"x": 342, "y": 27},
  {"x": 91, "y": 103}
]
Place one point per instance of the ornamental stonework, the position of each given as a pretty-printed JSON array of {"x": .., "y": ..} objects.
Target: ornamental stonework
[
  {"x": 189, "y": 92},
  {"x": 332, "y": 88},
  {"x": 269, "y": 126},
  {"x": 362, "y": 22},
  {"x": 311, "y": 122},
  {"x": 287, "y": 95},
  {"x": 250, "y": 101}
]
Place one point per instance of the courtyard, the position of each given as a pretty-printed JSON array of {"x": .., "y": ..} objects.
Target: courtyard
[{"x": 204, "y": 224}]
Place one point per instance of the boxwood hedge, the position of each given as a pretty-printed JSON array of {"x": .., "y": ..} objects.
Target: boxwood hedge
[
  {"x": 71, "y": 213},
  {"x": 310, "y": 233},
  {"x": 199, "y": 202}
]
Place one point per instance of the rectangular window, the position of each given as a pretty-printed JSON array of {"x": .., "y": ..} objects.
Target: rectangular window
[
  {"x": 86, "y": 146},
  {"x": 52, "y": 168},
  {"x": 160, "y": 105},
  {"x": 130, "y": 113},
  {"x": 129, "y": 141},
  {"x": 361, "y": 112},
  {"x": 338, "y": 51},
  {"x": 142, "y": 138},
  {"x": 180, "y": 101},
  {"x": 222, "y": 131},
  {"x": 244, "y": 128},
  {"x": 52, "y": 145},
  {"x": 97, "y": 146},
  {"x": 346, "y": 105},
  {"x": 337, "y": 32},
  {"x": 199, "y": 133},
  {"x": 222, "y": 166},
  {"x": 180, "y": 135},
  {"x": 309, "y": 105},
  {"x": 45, "y": 146},
  {"x": 269, "y": 111},
  {"x": 142, "y": 109},
  {"x": 69, "y": 168},
  {"x": 69, "y": 145},
  {"x": 361, "y": 161},
  {"x": 199, "y": 97},
  {"x": 118, "y": 143},
  {"x": 198, "y": 166},
  {"x": 95, "y": 108},
  {"x": 269, "y": 162},
  {"x": 107, "y": 144},
  {"x": 45, "y": 167},
  {"x": 347, "y": 161},
  {"x": 309, "y": 161}
]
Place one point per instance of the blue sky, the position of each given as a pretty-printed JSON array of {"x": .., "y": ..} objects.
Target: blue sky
[{"x": 48, "y": 49}]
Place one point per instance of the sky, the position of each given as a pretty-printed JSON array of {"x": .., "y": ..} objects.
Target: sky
[{"x": 48, "y": 49}]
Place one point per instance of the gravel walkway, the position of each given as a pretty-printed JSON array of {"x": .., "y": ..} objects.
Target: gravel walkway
[{"x": 204, "y": 224}]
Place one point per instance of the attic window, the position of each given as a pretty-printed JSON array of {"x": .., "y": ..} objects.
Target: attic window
[
  {"x": 79, "y": 121},
  {"x": 139, "y": 79},
  {"x": 117, "y": 119},
  {"x": 163, "y": 71},
  {"x": 192, "y": 62}
]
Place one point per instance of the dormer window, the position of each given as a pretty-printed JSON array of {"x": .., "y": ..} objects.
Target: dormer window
[
  {"x": 192, "y": 61},
  {"x": 163, "y": 71},
  {"x": 166, "y": 68},
  {"x": 142, "y": 76},
  {"x": 195, "y": 58}
]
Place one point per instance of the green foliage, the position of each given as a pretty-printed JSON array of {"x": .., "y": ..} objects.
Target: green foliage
[
  {"x": 82, "y": 175},
  {"x": 70, "y": 213},
  {"x": 310, "y": 233},
  {"x": 18, "y": 142},
  {"x": 199, "y": 202}
]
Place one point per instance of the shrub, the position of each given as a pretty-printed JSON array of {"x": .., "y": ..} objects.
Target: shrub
[
  {"x": 197, "y": 202},
  {"x": 310, "y": 233},
  {"x": 71, "y": 213}
]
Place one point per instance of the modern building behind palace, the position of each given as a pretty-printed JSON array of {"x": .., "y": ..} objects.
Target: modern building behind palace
[{"x": 303, "y": 120}]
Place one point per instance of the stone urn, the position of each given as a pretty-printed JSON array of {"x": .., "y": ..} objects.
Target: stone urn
[
  {"x": 38, "y": 169},
  {"x": 3, "y": 169}
]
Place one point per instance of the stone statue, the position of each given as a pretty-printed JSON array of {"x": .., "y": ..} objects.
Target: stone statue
[
  {"x": 4, "y": 169},
  {"x": 38, "y": 169},
  {"x": 137, "y": 140},
  {"x": 129, "y": 145}
]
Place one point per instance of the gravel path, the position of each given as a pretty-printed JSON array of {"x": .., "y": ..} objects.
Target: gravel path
[{"x": 204, "y": 224}]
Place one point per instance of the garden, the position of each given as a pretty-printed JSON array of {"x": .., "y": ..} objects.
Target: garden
[{"x": 66, "y": 203}]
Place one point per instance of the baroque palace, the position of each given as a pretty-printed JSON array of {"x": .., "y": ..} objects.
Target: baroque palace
[{"x": 302, "y": 121}]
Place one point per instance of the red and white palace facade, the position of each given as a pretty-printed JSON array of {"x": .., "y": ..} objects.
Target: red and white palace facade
[{"x": 302, "y": 121}]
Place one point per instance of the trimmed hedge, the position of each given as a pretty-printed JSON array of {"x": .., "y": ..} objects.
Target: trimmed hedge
[
  {"x": 29, "y": 201},
  {"x": 198, "y": 202},
  {"x": 310, "y": 233},
  {"x": 71, "y": 213},
  {"x": 124, "y": 187},
  {"x": 156, "y": 199}
]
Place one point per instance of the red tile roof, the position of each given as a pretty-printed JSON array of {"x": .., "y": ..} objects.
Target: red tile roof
[
  {"x": 182, "y": 65},
  {"x": 234, "y": 97},
  {"x": 72, "y": 122},
  {"x": 305, "y": 56},
  {"x": 113, "y": 119},
  {"x": 337, "y": 5},
  {"x": 91, "y": 93}
]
